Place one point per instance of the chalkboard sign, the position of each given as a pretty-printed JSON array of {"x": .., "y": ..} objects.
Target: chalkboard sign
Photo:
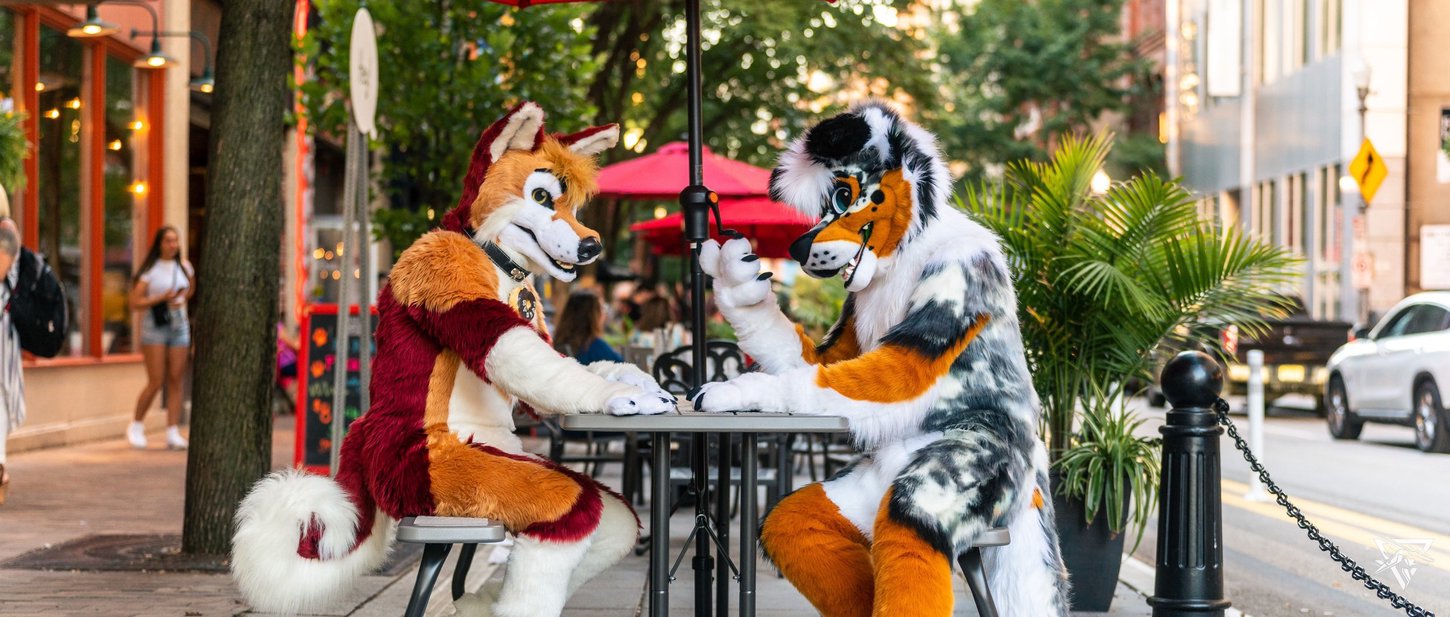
[{"x": 316, "y": 375}]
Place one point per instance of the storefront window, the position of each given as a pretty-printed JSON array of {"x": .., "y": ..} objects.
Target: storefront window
[
  {"x": 124, "y": 190},
  {"x": 7, "y": 62},
  {"x": 59, "y": 179}
]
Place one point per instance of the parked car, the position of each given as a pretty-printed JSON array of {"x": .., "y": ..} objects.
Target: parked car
[
  {"x": 1296, "y": 350},
  {"x": 1395, "y": 372}
]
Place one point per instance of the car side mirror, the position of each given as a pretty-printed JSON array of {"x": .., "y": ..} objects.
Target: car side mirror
[{"x": 1361, "y": 333}]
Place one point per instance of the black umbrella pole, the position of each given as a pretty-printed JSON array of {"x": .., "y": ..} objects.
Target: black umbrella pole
[{"x": 694, "y": 202}]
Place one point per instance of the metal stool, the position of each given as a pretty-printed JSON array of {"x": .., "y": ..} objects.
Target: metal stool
[
  {"x": 438, "y": 534},
  {"x": 976, "y": 574}
]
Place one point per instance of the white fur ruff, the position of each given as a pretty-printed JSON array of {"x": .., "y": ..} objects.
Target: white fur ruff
[{"x": 271, "y": 575}]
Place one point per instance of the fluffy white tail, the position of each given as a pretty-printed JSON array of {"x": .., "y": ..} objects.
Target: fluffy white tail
[{"x": 272, "y": 520}]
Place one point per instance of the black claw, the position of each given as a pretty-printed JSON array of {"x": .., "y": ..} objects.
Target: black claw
[
  {"x": 749, "y": 258},
  {"x": 665, "y": 400},
  {"x": 734, "y": 234},
  {"x": 631, "y": 403},
  {"x": 764, "y": 276}
]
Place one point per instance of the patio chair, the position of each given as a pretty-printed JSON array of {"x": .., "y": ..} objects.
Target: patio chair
[{"x": 438, "y": 534}]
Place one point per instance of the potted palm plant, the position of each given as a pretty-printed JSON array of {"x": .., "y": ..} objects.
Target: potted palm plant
[{"x": 1103, "y": 279}]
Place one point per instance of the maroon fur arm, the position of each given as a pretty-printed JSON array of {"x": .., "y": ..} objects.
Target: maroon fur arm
[{"x": 469, "y": 329}]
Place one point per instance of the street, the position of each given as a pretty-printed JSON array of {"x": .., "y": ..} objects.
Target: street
[{"x": 1379, "y": 489}]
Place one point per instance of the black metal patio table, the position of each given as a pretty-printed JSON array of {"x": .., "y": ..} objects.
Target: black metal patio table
[{"x": 749, "y": 425}]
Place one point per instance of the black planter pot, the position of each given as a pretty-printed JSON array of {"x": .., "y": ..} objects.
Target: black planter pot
[{"x": 1093, "y": 554}]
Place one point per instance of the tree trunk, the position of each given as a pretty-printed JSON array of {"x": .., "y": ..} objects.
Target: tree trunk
[{"x": 236, "y": 316}]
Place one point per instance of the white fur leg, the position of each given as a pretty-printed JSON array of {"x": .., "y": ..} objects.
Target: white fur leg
[
  {"x": 531, "y": 585},
  {"x": 272, "y": 518},
  {"x": 612, "y": 540}
]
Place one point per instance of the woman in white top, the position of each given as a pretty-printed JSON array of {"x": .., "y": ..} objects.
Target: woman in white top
[{"x": 158, "y": 294}]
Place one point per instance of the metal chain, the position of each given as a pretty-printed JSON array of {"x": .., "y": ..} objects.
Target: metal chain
[{"x": 1347, "y": 564}]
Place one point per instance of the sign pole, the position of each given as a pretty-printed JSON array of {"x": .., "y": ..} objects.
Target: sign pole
[{"x": 363, "y": 91}]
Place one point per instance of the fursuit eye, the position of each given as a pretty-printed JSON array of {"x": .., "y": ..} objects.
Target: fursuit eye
[
  {"x": 543, "y": 198},
  {"x": 841, "y": 198}
]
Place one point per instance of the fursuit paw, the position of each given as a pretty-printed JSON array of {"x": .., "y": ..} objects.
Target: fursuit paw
[
  {"x": 736, "y": 269},
  {"x": 629, "y": 374},
  {"x": 748, "y": 392},
  {"x": 647, "y": 402}
]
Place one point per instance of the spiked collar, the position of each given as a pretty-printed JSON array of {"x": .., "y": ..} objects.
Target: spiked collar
[{"x": 504, "y": 262}]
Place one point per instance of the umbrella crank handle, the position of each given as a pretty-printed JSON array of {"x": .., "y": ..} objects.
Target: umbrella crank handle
[{"x": 697, "y": 202}]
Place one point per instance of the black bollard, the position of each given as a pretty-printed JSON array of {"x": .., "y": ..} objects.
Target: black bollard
[{"x": 1189, "y": 578}]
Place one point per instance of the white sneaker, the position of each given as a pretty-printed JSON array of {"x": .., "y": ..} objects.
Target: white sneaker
[
  {"x": 136, "y": 434},
  {"x": 174, "y": 440}
]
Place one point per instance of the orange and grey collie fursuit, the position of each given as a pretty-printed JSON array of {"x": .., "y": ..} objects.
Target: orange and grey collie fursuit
[{"x": 926, "y": 362}]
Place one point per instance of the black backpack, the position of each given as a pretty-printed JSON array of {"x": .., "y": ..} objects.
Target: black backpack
[{"x": 37, "y": 307}]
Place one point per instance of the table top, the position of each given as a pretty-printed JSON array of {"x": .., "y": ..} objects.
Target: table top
[{"x": 686, "y": 420}]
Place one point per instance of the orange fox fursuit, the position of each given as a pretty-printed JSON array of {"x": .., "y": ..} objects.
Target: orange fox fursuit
[{"x": 459, "y": 343}]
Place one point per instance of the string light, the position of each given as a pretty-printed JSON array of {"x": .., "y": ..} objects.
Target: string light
[
  {"x": 138, "y": 125},
  {"x": 114, "y": 146},
  {"x": 138, "y": 188}
]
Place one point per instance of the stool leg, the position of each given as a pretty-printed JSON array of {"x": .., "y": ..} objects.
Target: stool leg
[
  {"x": 433, "y": 556},
  {"x": 460, "y": 571},
  {"x": 971, "y": 562}
]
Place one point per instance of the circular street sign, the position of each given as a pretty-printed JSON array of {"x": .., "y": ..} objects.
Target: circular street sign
[{"x": 362, "y": 63}]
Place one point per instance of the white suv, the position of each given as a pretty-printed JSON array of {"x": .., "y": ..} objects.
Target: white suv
[{"x": 1395, "y": 373}]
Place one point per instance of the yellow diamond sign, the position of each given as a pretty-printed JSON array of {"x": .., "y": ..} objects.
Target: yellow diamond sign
[{"x": 1368, "y": 170}]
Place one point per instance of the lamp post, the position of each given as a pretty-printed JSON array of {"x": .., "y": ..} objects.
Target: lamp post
[{"x": 1348, "y": 295}]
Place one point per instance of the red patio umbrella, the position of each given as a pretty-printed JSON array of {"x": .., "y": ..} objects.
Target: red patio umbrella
[
  {"x": 665, "y": 172},
  {"x": 771, "y": 224}
]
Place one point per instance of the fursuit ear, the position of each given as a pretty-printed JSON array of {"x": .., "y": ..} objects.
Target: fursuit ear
[
  {"x": 521, "y": 129},
  {"x": 592, "y": 141}
]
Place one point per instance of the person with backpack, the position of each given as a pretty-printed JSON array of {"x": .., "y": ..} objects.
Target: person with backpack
[
  {"x": 159, "y": 291},
  {"x": 12, "y": 385}
]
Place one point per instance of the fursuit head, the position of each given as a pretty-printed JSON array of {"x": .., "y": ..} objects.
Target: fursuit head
[
  {"x": 925, "y": 362},
  {"x": 460, "y": 341}
]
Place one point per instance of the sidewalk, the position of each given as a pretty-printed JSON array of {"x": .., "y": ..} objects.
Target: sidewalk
[{"x": 66, "y": 494}]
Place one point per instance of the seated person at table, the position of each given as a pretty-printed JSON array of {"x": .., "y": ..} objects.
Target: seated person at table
[
  {"x": 926, "y": 363},
  {"x": 579, "y": 330},
  {"x": 460, "y": 341},
  {"x": 657, "y": 328}
]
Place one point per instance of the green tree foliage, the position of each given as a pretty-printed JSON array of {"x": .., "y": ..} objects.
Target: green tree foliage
[
  {"x": 14, "y": 149},
  {"x": 1018, "y": 75},
  {"x": 770, "y": 68},
  {"x": 447, "y": 69}
]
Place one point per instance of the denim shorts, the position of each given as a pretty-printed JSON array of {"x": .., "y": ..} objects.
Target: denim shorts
[{"x": 175, "y": 334}]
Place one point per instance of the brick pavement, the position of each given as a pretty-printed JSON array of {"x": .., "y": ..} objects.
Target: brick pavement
[{"x": 63, "y": 494}]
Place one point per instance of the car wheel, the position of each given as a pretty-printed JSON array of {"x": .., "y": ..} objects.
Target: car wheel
[
  {"x": 1342, "y": 423},
  {"x": 1431, "y": 432}
]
